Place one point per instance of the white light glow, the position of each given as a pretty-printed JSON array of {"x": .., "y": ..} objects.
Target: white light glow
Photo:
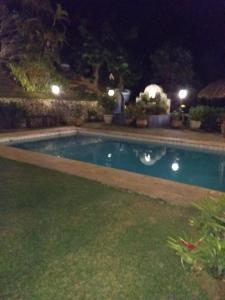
[
  {"x": 55, "y": 89},
  {"x": 183, "y": 94},
  {"x": 109, "y": 155},
  {"x": 111, "y": 93},
  {"x": 175, "y": 166},
  {"x": 152, "y": 90},
  {"x": 147, "y": 157}
]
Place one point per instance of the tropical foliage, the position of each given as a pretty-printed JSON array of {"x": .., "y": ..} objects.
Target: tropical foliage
[
  {"x": 32, "y": 28},
  {"x": 31, "y": 38},
  {"x": 207, "y": 250},
  {"x": 36, "y": 75}
]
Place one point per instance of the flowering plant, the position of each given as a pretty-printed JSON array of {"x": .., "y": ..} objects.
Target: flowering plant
[{"x": 207, "y": 252}]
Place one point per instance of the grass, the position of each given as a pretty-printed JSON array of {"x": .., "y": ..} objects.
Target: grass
[{"x": 64, "y": 237}]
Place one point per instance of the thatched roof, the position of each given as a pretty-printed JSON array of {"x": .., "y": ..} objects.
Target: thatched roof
[{"x": 215, "y": 90}]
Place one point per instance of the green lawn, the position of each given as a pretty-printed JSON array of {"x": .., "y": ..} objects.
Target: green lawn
[{"x": 63, "y": 237}]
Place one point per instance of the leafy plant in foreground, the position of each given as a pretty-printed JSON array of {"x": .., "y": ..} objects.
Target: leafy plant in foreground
[{"x": 207, "y": 252}]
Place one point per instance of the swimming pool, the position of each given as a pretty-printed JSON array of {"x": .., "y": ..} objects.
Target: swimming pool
[{"x": 194, "y": 167}]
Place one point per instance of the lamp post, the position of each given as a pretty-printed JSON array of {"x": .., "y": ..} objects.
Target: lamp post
[
  {"x": 111, "y": 92},
  {"x": 182, "y": 95},
  {"x": 55, "y": 90}
]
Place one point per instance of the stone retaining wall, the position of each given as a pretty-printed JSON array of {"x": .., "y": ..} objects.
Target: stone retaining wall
[
  {"x": 37, "y": 113},
  {"x": 49, "y": 102}
]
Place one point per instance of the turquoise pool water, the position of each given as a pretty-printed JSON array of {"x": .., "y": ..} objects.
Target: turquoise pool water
[{"x": 201, "y": 168}]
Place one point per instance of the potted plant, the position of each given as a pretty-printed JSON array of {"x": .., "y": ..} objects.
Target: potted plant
[
  {"x": 176, "y": 119},
  {"x": 129, "y": 114},
  {"x": 196, "y": 116},
  {"x": 140, "y": 116},
  {"x": 108, "y": 104}
]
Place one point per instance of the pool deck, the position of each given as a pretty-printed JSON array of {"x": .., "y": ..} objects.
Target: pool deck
[
  {"x": 173, "y": 192},
  {"x": 175, "y": 136}
]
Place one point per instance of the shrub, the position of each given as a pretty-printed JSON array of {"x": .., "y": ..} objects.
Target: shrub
[
  {"x": 66, "y": 113},
  {"x": 36, "y": 75},
  {"x": 79, "y": 111},
  {"x": 129, "y": 111},
  {"x": 140, "y": 111},
  {"x": 145, "y": 98},
  {"x": 212, "y": 119},
  {"x": 12, "y": 115},
  {"x": 155, "y": 106},
  {"x": 108, "y": 103},
  {"x": 176, "y": 115},
  {"x": 157, "y": 109},
  {"x": 207, "y": 252},
  {"x": 61, "y": 113},
  {"x": 198, "y": 113}
]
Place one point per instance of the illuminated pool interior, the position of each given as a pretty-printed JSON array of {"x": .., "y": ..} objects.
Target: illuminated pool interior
[{"x": 195, "y": 167}]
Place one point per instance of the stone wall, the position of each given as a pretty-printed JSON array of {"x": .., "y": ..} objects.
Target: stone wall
[
  {"x": 37, "y": 113},
  {"x": 49, "y": 102}
]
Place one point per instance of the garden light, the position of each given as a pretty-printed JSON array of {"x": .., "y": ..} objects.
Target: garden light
[
  {"x": 182, "y": 94},
  {"x": 55, "y": 89},
  {"x": 111, "y": 93}
]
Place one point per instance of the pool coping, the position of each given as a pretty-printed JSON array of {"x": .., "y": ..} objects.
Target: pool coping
[
  {"x": 187, "y": 143},
  {"x": 20, "y": 136},
  {"x": 173, "y": 192}
]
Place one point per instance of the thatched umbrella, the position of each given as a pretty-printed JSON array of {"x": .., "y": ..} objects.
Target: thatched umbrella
[{"x": 213, "y": 91}]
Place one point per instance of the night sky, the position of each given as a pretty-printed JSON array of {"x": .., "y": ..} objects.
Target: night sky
[{"x": 198, "y": 25}]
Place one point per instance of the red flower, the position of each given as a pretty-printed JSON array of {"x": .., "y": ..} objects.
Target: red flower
[{"x": 188, "y": 245}]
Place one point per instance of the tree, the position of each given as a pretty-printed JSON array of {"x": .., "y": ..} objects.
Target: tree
[
  {"x": 31, "y": 37},
  {"x": 172, "y": 67},
  {"x": 101, "y": 53},
  {"x": 10, "y": 38},
  {"x": 32, "y": 29}
]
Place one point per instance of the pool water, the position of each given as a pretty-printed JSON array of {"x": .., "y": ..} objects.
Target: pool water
[{"x": 201, "y": 168}]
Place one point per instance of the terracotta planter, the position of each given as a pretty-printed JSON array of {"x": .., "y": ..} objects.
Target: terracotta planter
[
  {"x": 195, "y": 125},
  {"x": 141, "y": 123},
  {"x": 108, "y": 119},
  {"x": 176, "y": 123}
]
